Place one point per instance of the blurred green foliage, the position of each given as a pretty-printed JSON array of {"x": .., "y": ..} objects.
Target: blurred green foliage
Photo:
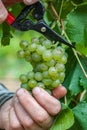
[{"x": 10, "y": 64}]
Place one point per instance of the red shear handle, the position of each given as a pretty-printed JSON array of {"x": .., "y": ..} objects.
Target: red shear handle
[{"x": 10, "y": 18}]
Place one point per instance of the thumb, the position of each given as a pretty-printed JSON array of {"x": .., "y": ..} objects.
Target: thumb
[{"x": 3, "y": 12}]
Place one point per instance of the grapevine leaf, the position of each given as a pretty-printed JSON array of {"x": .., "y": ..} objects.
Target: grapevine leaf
[
  {"x": 76, "y": 27},
  {"x": 73, "y": 72},
  {"x": 83, "y": 79},
  {"x": 64, "y": 120},
  {"x": 75, "y": 79},
  {"x": 80, "y": 112},
  {"x": 6, "y": 34}
]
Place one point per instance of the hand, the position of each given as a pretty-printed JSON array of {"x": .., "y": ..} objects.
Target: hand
[
  {"x": 4, "y": 3},
  {"x": 27, "y": 112}
]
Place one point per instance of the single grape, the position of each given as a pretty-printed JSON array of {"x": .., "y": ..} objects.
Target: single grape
[
  {"x": 23, "y": 44},
  {"x": 56, "y": 83},
  {"x": 30, "y": 75},
  {"x": 45, "y": 74},
  {"x": 35, "y": 40},
  {"x": 64, "y": 59},
  {"x": 41, "y": 85},
  {"x": 60, "y": 67},
  {"x": 21, "y": 53},
  {"x": 28, "y": 59},
  {"x": 47, "y": 55},
  {"x": 47, "y": 82},
  {"x": 35, "y": 57},
  {"x": 32, "y": 83},
  {"x": 26, "y": 52},
  {"x": 51, "y": 63},
  {"x": 47, "y": 43},
  {"x": 43, "y": 67},
  {"x": 52, "y": 71},
  {"x": 24, "y": 85},
  {"x": 32, "y": 47},
  {"x": 23, "y": 78},
  {"x": 40, "y": 49},
  {"x": 57, "y": 54},
  {"x": 62, "y": 76},
  {"x": 38, "y": 76}
]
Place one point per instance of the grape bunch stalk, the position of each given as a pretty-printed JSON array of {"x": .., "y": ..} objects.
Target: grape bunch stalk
[{"x": 48, "y": 61}]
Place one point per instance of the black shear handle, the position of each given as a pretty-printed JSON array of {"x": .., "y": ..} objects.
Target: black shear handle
[{"x": 38, "y": 12}]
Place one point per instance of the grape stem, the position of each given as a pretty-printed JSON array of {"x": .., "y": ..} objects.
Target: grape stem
[{"x": 64, "y": 33}]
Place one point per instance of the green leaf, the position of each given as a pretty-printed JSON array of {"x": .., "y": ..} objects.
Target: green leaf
[
  {"x": 83, "y": 79},
  {"x": 80, "y": 112},
  {"x": 75, "y": 80},
  {"x": 73, "y": 72},
  {"x": 76, "y": 27},
  {"x": 64, "y": 120}
]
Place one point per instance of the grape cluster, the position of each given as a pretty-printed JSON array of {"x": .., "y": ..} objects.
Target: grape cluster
[{"x": 48, "y": 61}]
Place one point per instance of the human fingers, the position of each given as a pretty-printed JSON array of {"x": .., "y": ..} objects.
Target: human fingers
[
  {"x": 3, "y": 12},
  {"x": 59, "y": 92},
  {"x": 14, "y": 123},
  {"x": 29, "y": 1},
  {"x": 36, "y": 111},
  {"x": 24, "y": 117},
  {"x": 10, "y": 2},
  {"x": 48, "y": 102}
]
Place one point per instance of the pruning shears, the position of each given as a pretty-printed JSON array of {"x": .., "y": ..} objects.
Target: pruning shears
[{"x": 24, "y": 23}]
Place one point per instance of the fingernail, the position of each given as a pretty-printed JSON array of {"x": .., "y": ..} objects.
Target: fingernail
[
  {"x": 36, "y": 90},
  {"x": 20, "y": 92}
]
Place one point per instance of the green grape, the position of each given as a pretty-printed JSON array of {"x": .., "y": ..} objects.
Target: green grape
[
  {"x": 45, "y": 74},
  {"x": 43, "y": 67},
  {"x": 62, "y": 76},
  {"x": 41, "y": 85},
  {"x": 52, "y": 71},
  {"x": 57, "y": 54},
  {"x": 56, "y": 83},
  {"x": 40, "y": 49},
  {"x": 38, "y": 76},
  {"x": 47, "y": 55},
  {"x": 24, "y": 85},
  {"x": 23, "y": 78},
  {"x": 23, "y": 44},
  {"x": 64, "y": 59},
  {"x": 32, "y": 83},
  {"x": 60, "y": 67},
  {"x": 28, "y": 59},
  {"x": 32, "y": 47},
  {"x": 51, "y": 63},
  {"x": 47, "y": 43},
  {"x": 35, "y": 40},
  {"x": 30, "y": 75},
  {"x": 21, "y": 54},
  {"x": 47, "y": 82},
  {"x": 26, "y": 52},
  {"x": 35, "y": 57}
]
